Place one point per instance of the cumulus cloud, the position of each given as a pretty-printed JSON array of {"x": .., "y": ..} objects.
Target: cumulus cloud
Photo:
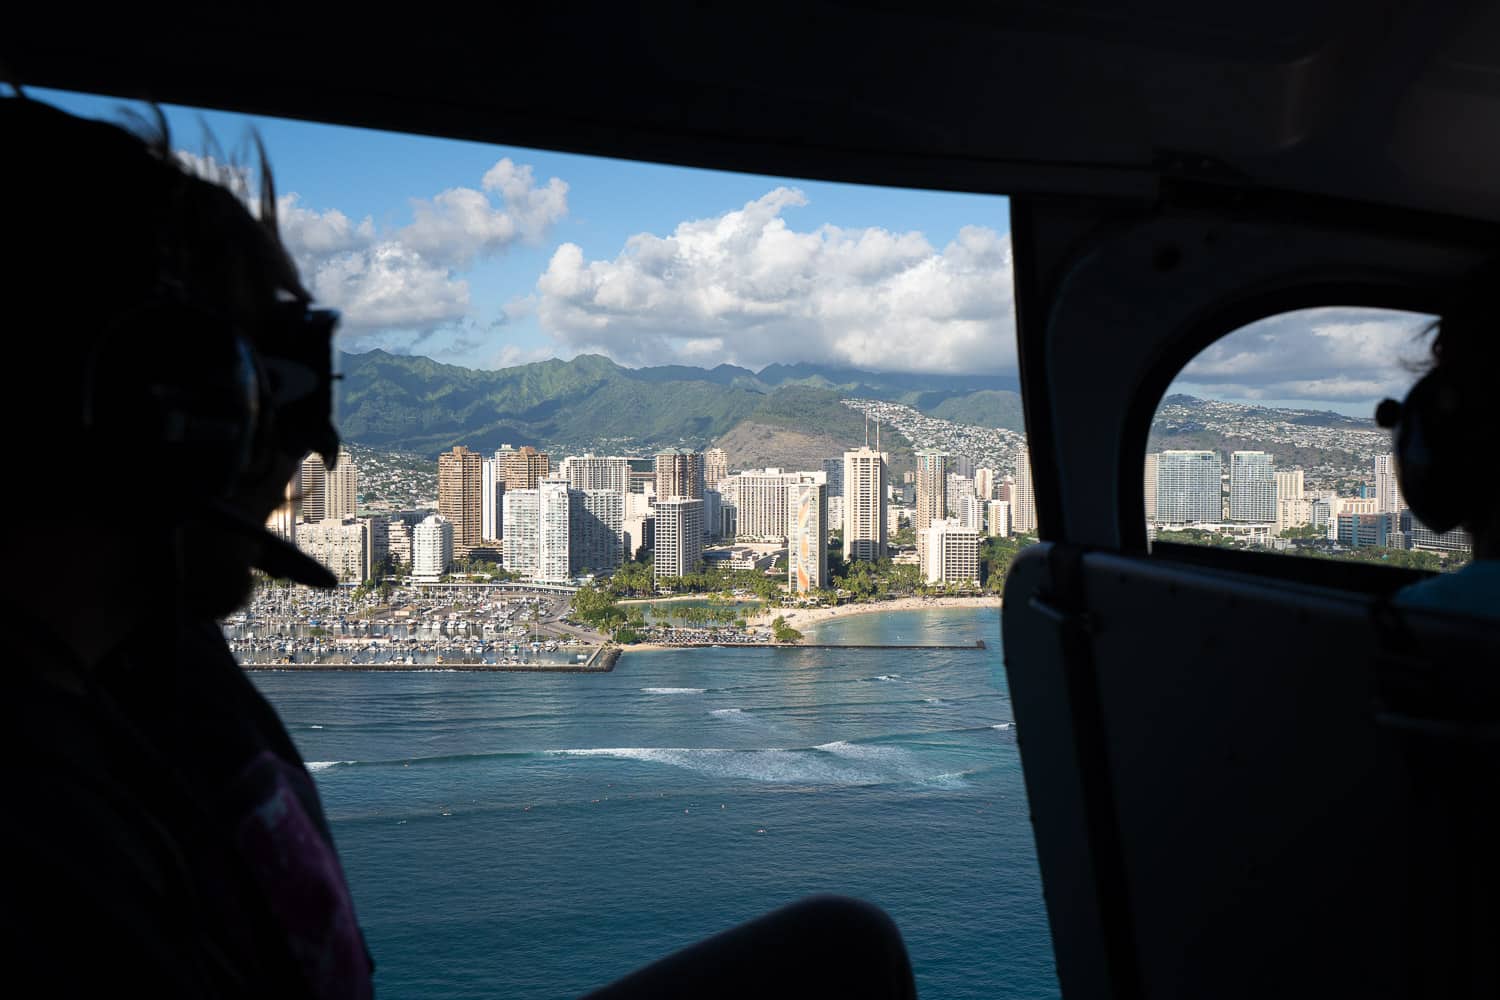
[
  {"x": 409, "y": 278},
  {"x": 746, "y": 288},
  {"x": 1331, "y": 355}
]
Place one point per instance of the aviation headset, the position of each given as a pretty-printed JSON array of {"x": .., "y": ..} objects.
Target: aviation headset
[{"x": 193, "y": 397}]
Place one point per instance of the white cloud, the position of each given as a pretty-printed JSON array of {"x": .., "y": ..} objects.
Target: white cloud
[
  {"x": 410, "y": 278},
  {"x": 1334, "y": 354},
  {"x": 746, "y": 288}
]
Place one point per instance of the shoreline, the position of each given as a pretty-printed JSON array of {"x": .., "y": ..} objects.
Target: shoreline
[{"x": 797, "y": 618}]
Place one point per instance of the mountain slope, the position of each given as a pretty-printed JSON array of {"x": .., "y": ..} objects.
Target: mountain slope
[{"x": 590, "y": 403}]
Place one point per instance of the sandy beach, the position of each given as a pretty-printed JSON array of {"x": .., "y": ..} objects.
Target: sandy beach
[{"x": 799, "y": 617}]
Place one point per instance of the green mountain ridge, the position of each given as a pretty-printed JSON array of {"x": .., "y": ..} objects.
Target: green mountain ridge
[{"x": 413, "y": 403}]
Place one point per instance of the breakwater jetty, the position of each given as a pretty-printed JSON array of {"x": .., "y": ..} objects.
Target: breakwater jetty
[
  {"x": 977, "y": 644},
  {"x": 602, "y": 661}
]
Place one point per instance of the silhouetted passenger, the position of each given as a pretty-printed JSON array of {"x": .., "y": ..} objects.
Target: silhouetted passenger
[
  {"x": 167, "y": 374},
  {"x": 1445, "y": 436},
  {"x": 162, "y": 833}
]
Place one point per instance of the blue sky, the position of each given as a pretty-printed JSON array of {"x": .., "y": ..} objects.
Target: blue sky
[
  {"x": 473, "y": 254},
  {"x": 364, "y": 173}
]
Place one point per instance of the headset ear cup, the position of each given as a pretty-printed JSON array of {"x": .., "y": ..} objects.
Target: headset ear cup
[
  {"x": 1430, "y": 454},
  {"x": 177, "y": 391}
]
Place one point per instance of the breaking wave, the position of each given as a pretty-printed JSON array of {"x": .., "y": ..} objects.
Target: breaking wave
[
  {"x": 673, "y": 690},
  {"x": 837, "y": 763}
]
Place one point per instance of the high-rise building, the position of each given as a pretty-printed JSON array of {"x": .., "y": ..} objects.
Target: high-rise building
[
  {"x": 1293, "y": 513},
  {"x": 1151, "y": 460},
  {"x": 1387, "y": 486},
  {"x": 461, "y": 497},
  {"x": 1005, "y": 489},
  {"x": 313, "y": 505},
  {"x": 959, "y": 488},
  {"x": 520, "y": 548},
  {"x": 984, "y": 483},
  {"x": 949, "y": 552},
  {"x": 963, "y": 465},
  {"x": 1252, "y": 487},
  {"x": 713, "y": 505},
  {"x": 807, "y": 537},
  {"x": 761, "y": 499},
  {"x": 997, "y": 518},
  {"x": 554, "y": 530},
  {"x": 835, "y": 513},
  {"x": 679, "y": 473},
  {"x": 379, "y": 529},
  {"x": 640, "y": 536},
  {"x": 1290, "y": 485},
  {"x": 970, "y": 512},
  {"x": 833, "y": 475},
  {"x": 1188, "y": 487},
  {"x": 398, "y": 541},
  {"x": 715, "y": 467},
  {"x": 490, "y": 491},
  {"x": 597, "y": 472},
  {"x": 341, "y": 487},
  {"x": 679, "y": 537},
  {"x": 864, "y": 504},
  {"x": 522, "y": 468},
  {"x": 598, "y": 540},
  {"x": 1023, "y": 497},
  {"x": 432, "y": 548},
  {"x": 342, "y": 545},
  {"x": 932, "y": 488}
]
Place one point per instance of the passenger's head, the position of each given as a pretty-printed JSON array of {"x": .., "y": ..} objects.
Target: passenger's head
[
  {"x": 1450, "y": 421},
  {"x": 138, "y": 290}
]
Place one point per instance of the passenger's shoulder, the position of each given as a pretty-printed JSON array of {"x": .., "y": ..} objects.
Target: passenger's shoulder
[{"x": 1473, "y": 590}]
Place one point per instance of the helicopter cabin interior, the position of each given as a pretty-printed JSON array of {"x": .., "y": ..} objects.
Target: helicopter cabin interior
[{"x": 1249, "y": 775}]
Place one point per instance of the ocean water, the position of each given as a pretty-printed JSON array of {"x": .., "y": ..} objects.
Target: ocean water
[{"x": 530, "y": 836}]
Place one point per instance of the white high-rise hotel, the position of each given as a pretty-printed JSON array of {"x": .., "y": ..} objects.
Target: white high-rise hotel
[
  {"x": 864, "y": 504},
  {"x": 1252, "y": 487},
  {"x": 761, "y": 504},
  {"x": 679, "y": 537},
  {"x": 949, "y": 552}
]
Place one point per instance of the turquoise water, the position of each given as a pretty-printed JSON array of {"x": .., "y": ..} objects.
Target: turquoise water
[{"x": 526, "y": 835}]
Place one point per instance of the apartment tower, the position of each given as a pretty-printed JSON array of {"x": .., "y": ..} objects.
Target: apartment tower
[{"x": 461, "y": 497}]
